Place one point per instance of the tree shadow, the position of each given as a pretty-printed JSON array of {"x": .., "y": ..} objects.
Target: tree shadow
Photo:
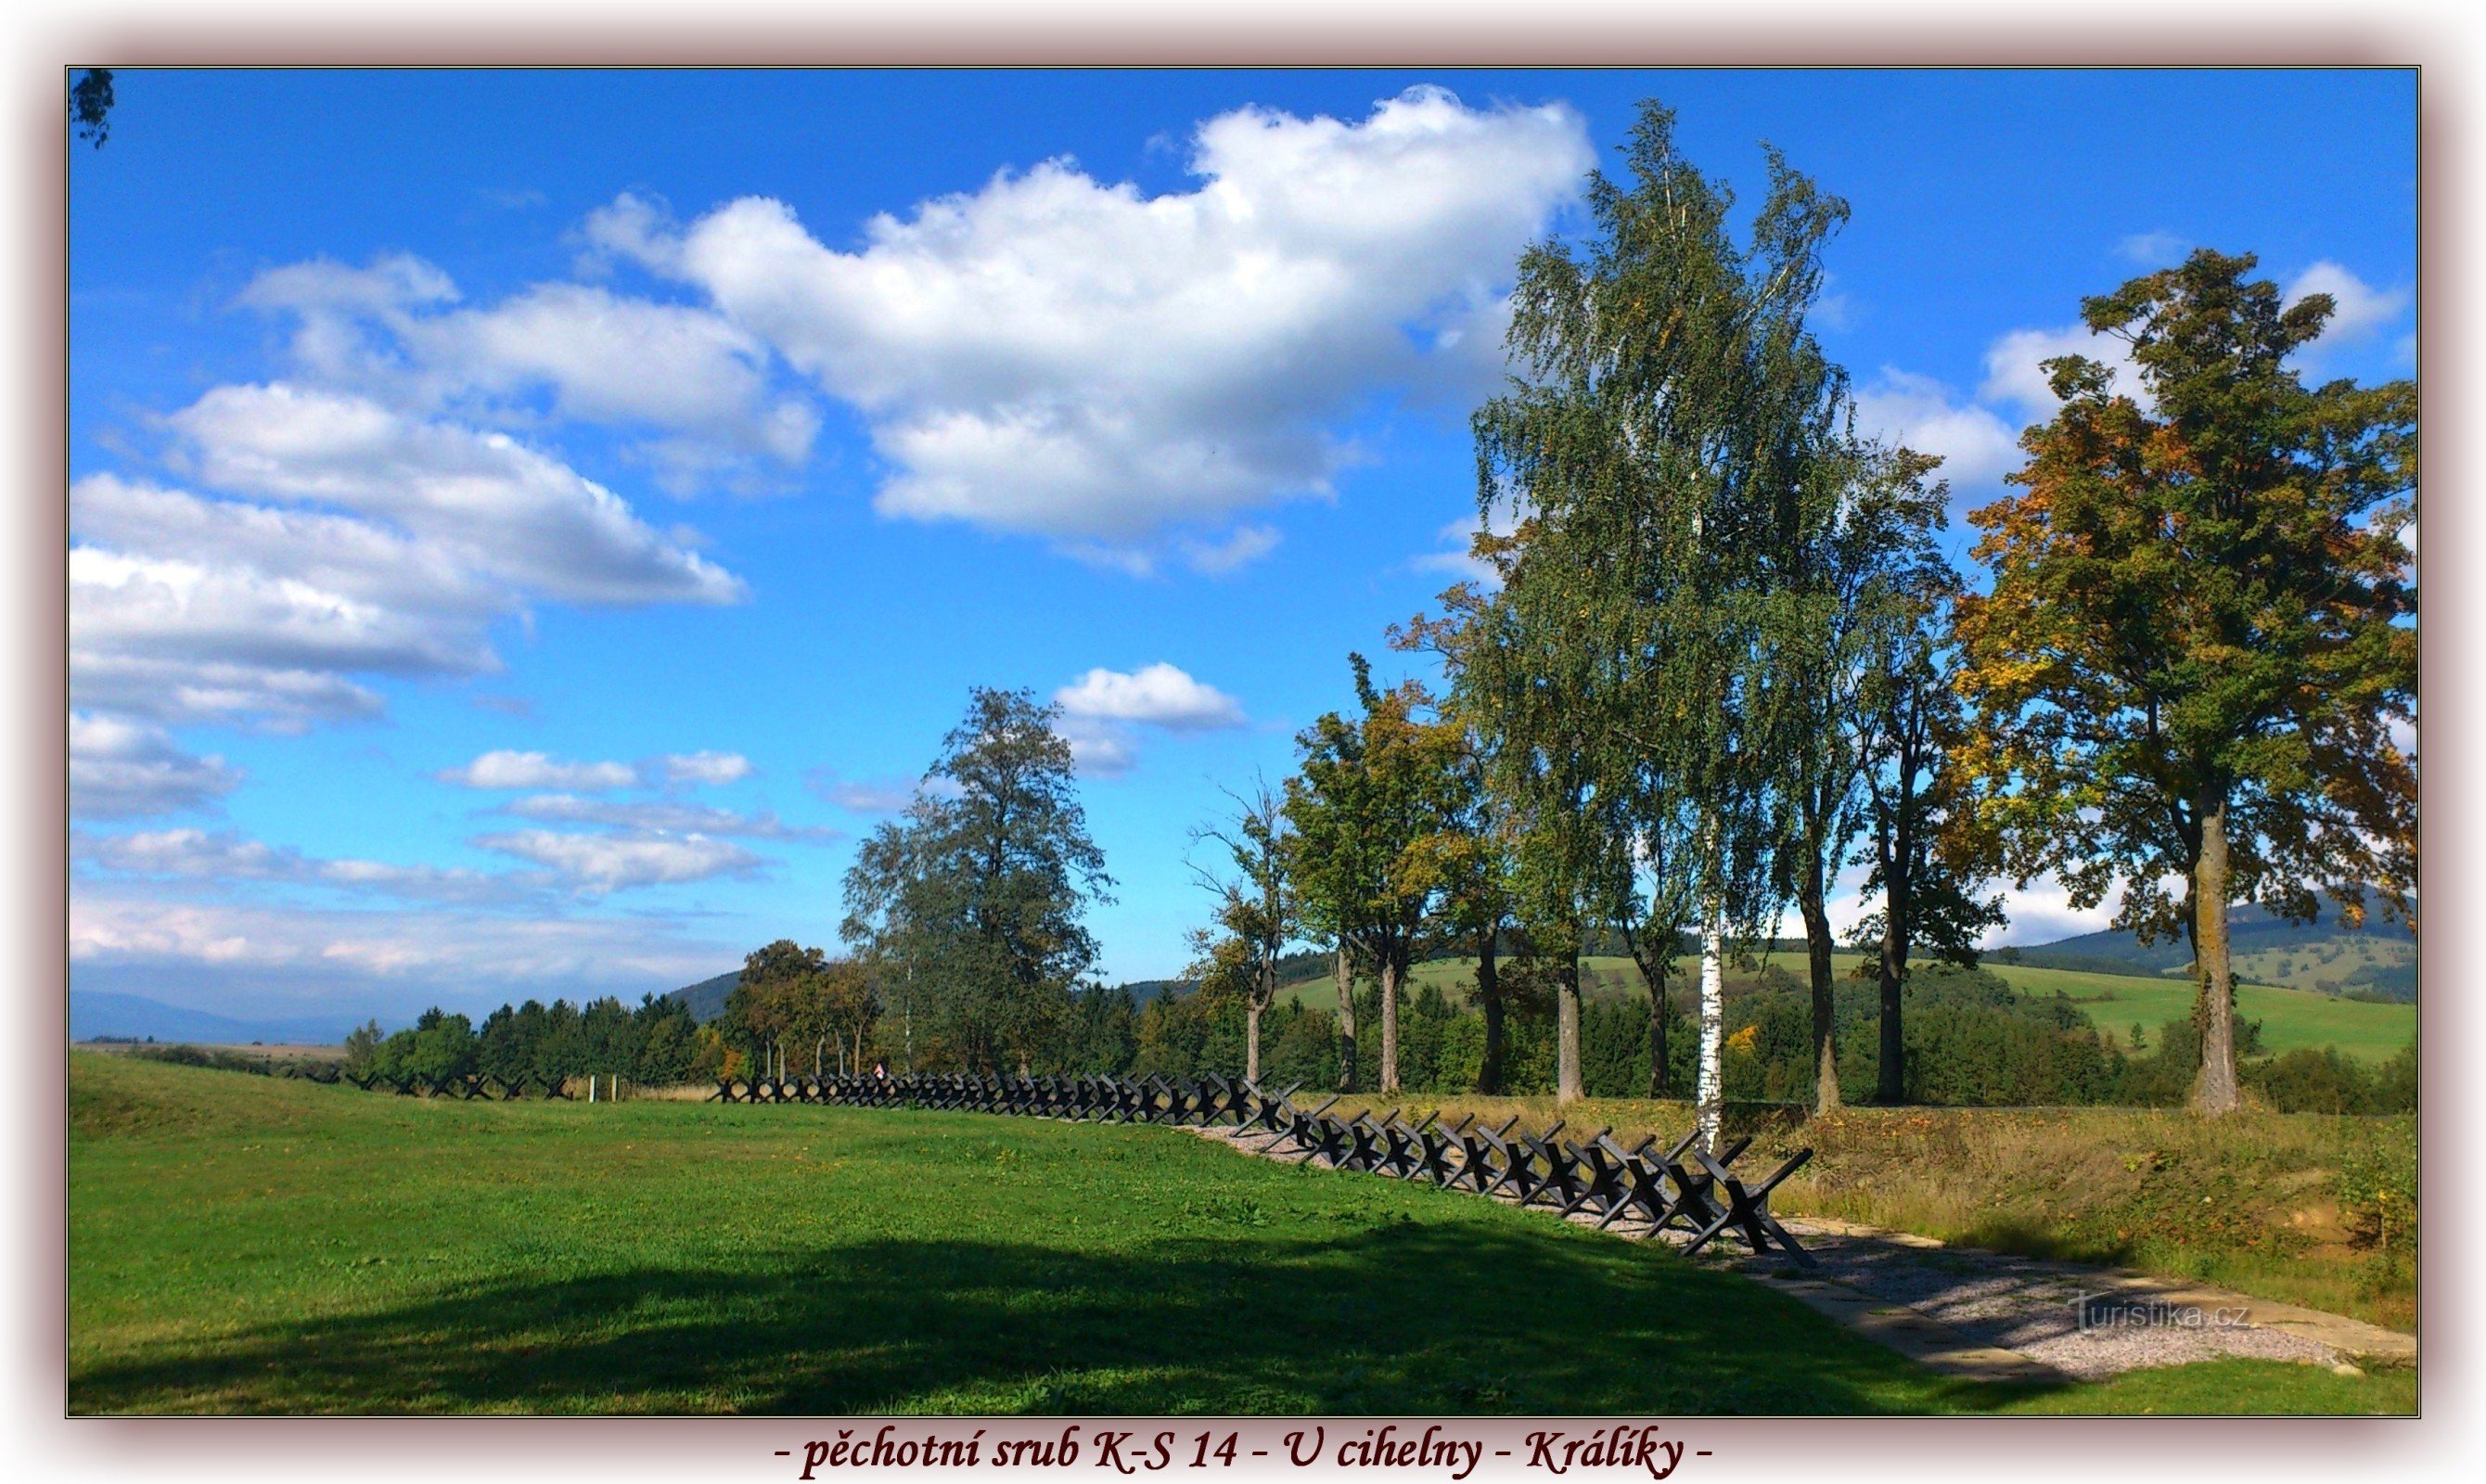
[{"x": 1391, "y": 1316}]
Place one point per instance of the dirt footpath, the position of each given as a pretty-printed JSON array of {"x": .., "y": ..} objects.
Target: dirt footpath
[{"x": 1993, "y": 1316}]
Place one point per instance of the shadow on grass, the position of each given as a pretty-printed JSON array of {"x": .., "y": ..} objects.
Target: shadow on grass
[{"x": 1394, "y": 1316}]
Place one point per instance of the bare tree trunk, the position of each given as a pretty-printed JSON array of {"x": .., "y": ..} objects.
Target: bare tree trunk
[
  {"x": 1251, "y": 1040},
  {"x": 1489, "y": 995},
  {"x": 1824, "y": 1005},
  {"x": 1566, "y": 1025},
  {"x": 1655, "y": 963},
  {"x": 1346, "y": 1022},
  {"x": 1659, "y": 1073},
  {"x": 1891, "y": 1080},
  {"x": 2214, "y": 1092},
  {"x": 1389, "y": 1025},
  {"x": 1710, "y": 1093}
]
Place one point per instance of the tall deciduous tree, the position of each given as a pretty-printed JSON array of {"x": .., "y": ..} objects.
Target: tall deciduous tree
[
  {"x": 1652, "y": 455},
  {"x": 1257, "y": 907},
  {"x": 1369, "y": 792},
  {"x": 979, "y": 890},
  {"x": 1859, "y": 561},
  {"x": 1927, "y": 852},
  {"x": 2201, "y": 628}
]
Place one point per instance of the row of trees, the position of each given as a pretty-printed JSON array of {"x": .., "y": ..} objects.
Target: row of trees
[
  {"x": 657, "y": 1044},
  {"x": 1723, "y": 649},
  {"x": 1723, "y": 656}
]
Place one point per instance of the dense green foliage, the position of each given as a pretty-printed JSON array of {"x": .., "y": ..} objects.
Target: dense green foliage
[
  {"x": 656, "y": 1044},
  {"x": 971, "y": 907},
  {"x": 1972, "y": 1040}
]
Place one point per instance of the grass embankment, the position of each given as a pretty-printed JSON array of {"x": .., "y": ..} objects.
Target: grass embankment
[
  {"x": 2302, "y": 1208},
  {"x": 241, "y": 1245},
  {"x": 2290, "y": 1018}
]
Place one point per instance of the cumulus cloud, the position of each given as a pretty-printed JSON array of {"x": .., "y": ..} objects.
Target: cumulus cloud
[
  {"x": 121, "y": 769},
  {"x": 599, "y": 864},
  {"x": 1158, "y": 694},
  {"x": 1977, "y": 447},
  {"x": 509, "y": 769},
  {"x": 1100, "y": 708},
  {"x": 710, "y": 768},
  {"x": 593, "y": 356},
  {"x": 667, "y": 816},
  {"x": 1098, "y": 749},
  {"x": 2359, "y": 313},
  {"x": 2015, "y": 371},
  {"x": 1056, "y": 355},
  {"x": 364, "y": 542},
  {"x": 481, "y": 498}
]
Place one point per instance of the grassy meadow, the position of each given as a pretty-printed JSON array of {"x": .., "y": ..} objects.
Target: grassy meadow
[
  {"x": 2305, "y": 1208},
  {"x": 2290, "y": 1018},
  {"x": 243, "y": 1244}
]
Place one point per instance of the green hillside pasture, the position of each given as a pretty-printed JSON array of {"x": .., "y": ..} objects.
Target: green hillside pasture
[
  {"x": 239, "y": 1245},
  {"x": 2290, "y": 1017}
]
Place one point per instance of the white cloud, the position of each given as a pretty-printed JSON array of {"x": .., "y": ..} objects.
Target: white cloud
[
  {"x": 2015, "y": 371},
  {"x": 1977, "y": 447},
  {"x": 2358, "y": 309},
  {"x": 178, "y": 609},
  {"x": 2042, "y": 912},
  {"x": 507, "y": 769},
  {"x": 1458, "y": 538},
  {"x": 225, "y": 857},
  {"x": 185, "y": 607},
  {"x": 181, "y": 690},
  {"x": 597, "y": 357},
  {"x": 2153, "y": 249},
  {"x": 241, "y": 956},
  {"x": 1056, "y": 355},
  {"x": 1158, "y": 694},
  {"x": 710, "y": 768},
  {"x": 121, "y": 769},
  {"x": 605, "y": 862},
  {"x": 1098, "y": 749},
  {"x": 864, "y": 796},
  {"x": 481, "y": 499},
  {"x": 665, "y": 817},
  {"x": 1245, "y": 546}
]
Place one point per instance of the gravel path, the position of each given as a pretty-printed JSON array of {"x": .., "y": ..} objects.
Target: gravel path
[{"x": 1988, "y": 1313}]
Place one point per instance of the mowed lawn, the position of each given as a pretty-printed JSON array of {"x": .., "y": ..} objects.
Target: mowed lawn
[
  {"x": 2290, "y": 1018},
  {"x": 241, "y": 1245}
]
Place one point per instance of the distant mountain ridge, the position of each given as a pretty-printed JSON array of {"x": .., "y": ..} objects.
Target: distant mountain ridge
[
  {"x": 706, "y": 1000},
  {"x": 2378, "y": 958},
  {"x": 96, "y": 1012}
]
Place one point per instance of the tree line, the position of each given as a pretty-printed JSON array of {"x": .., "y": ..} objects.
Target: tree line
[{"x": 1721, "y": 656}]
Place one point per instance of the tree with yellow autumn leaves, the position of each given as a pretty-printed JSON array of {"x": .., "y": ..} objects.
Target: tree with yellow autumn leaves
[{"x": 2193, "y": 670}]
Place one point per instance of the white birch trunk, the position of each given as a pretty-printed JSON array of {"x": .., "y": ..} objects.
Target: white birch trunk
[{"x": 1711, "y": 1089}]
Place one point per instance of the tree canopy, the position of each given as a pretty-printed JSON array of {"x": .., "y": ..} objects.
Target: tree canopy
[
  {"x": 2200, "y": 630},
  {"x": 978, "y": 892}
]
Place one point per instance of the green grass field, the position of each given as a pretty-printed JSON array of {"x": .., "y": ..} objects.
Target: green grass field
[
  {"x": 2290, "y": 1017},
  {"x": 241, "y": 1245}
]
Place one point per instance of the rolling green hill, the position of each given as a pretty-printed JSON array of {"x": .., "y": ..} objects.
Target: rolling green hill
[
  {"x": 2378, "y": 957},
  {"x": 2290, "y": 1018}
]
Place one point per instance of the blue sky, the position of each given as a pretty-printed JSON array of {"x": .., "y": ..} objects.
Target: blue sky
[{"x": 525, "y": 524}]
